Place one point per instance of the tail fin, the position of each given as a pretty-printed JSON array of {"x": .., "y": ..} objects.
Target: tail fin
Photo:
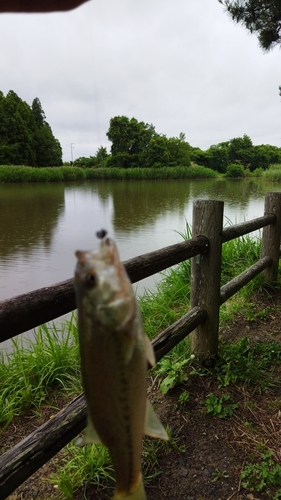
[{"x": 136, "y": 493}]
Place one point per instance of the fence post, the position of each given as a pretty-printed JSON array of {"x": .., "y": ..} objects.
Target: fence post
[
  {"x": 271, "y": 236},
  {"x": 205, "y": 277}
]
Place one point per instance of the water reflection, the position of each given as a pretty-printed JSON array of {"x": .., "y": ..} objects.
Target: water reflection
[
  {"x": 41, "y": 225},
  {"x": 139, "y": 203},
  {"x": 29, "y": 216}
]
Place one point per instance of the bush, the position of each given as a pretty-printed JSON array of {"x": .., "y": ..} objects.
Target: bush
[{"x": 235, "y": 170}]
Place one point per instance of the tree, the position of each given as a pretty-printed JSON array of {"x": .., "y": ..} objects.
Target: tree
[
  {"x": 16, "y": 143},
  {"x": 101, "y": 156},
  {"x": 99, "y": 160},
  {"x": 179, "y": 151},
  {"x": 130, "y": 141},
  {"x": 262, "y": 17},
  {"x": 38, "y": 113},
  {"x": 47, "y": 147},
  {"x": 25, "y": 136},
  {"x": 128, "y": 135},
  {"x": 241, "y": 150},
  {"x": 136, "y": 144}
]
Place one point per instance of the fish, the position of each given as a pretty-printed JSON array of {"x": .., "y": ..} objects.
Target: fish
[{"x": 115, "y": 353}]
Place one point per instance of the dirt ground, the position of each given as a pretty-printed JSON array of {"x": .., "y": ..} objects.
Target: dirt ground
[{"x": 211, "y": 451}]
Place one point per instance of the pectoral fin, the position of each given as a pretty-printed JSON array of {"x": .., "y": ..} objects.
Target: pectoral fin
[
  {"x": 91, "y": 435},
  {"x": 152, "y": 424},
  {"x": 149, "y": 351}
]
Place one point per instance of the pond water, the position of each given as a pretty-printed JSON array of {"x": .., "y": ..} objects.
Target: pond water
[{"x": 41, "y": 225}]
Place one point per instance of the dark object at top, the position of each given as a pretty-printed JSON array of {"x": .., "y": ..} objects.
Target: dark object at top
[
  {"x": 38, "y": 6},
  {"x": 101, "y": 234}
]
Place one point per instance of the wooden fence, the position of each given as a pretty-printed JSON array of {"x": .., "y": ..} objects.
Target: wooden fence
[{"x": 27, "y": 311}]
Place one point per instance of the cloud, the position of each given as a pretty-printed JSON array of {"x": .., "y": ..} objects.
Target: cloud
[{"x": 183, "y": 66}]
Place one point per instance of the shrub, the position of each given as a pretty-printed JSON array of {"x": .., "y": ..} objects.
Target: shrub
[{"x": 235, "y": 170}]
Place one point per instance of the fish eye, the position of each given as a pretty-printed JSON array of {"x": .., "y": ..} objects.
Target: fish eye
[{"x": 90, "y": 279}]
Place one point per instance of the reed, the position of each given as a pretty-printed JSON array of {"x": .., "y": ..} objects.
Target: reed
[
  {"x": 273, "y": 173},
  {"x": 12, "y": 173}
]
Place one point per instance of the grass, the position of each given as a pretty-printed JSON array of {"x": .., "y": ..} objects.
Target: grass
[
  {"x": 91, "y": 465},
  {"x": 51, "y": 362},
  {"x": 273, "y": 173},
  {"x": 20, "y": 173},
  {"x": 35, "y": 367},
  {"x": 12, "y": 173}
]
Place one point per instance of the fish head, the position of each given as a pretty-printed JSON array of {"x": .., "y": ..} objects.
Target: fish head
[{"x": 102, "y": 284}]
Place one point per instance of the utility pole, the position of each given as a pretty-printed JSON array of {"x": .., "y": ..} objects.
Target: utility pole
[{"x": 71, "y": 150}]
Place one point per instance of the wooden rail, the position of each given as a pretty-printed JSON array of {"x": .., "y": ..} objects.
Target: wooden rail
[
  {"x": 29, "y": 455},
  {"x": 26, "y": 311},
  {"x": 201, "y": 322}
]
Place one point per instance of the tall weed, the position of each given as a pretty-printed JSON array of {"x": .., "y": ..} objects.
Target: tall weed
[
  {"x": 35, "y": 366},
  {"x": 14, "y": 173}
]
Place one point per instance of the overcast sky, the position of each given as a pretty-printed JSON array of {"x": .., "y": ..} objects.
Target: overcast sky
[{"x": 181, "y": 65}]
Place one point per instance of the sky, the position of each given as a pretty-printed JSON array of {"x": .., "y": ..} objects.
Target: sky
[{"x": 181, "y": 65}]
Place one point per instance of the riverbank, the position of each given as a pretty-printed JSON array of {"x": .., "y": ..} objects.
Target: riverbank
[
  {"x": 235, "y": 405},
  {"x": 12, "y": 173}
]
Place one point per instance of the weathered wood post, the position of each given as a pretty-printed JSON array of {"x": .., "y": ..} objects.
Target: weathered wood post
[
  {"x": 205, "y": 277},
  {"x": 271, "y": 236}
]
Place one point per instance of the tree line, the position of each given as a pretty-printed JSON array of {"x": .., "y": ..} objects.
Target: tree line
[
  {"x": 26, "y": 138},
  {"x": 137, "y": 144}
]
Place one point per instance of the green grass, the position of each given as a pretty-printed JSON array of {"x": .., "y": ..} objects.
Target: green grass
[
  {"x": 50, "y": 362},
  {"x": 91, "y": 464},
  {"x": 172, "y": 300},
  {"x": 12, "y": 173},
  {"x": 33, "y": 368},
  {"x": 262, "y": 475},
  {"x": 273, "y": 173}
]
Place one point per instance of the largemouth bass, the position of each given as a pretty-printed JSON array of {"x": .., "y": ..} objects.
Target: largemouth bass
[{"x": 114, "y": 353}]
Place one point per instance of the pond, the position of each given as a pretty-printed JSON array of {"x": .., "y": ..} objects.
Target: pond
[{"x": 41, "y": 225}]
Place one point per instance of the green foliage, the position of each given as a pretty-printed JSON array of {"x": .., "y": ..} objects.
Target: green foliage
[
  {"x": 219, "y": 474},
  {"x": 136, "y": 144},
  {"x": 262, "y": 475},
  {"x": 25, "y": 136},
  {"x": 273, "y": 173},
  {"x": 217, "y": 406},
  {"x": 249, "y": 365},
  {"x": 54, "y": 174},
  {"x": 239, "y": 150},
  {"x": 216, "y": 157},
  {"x": 262, "y": 17},
  {"x": 184, "y": 397},
  {"x": 174, "y": 372},
  {"x": 32, "y": 368},
  {"x": 89, "y": 464},
  {"x": 237, "y": 255},
  {"x": 97, "y": 161},
  {"x": 235, "y": 170}
]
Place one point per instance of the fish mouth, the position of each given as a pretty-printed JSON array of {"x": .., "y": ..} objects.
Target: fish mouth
[{"x": 84, "y": 273}]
